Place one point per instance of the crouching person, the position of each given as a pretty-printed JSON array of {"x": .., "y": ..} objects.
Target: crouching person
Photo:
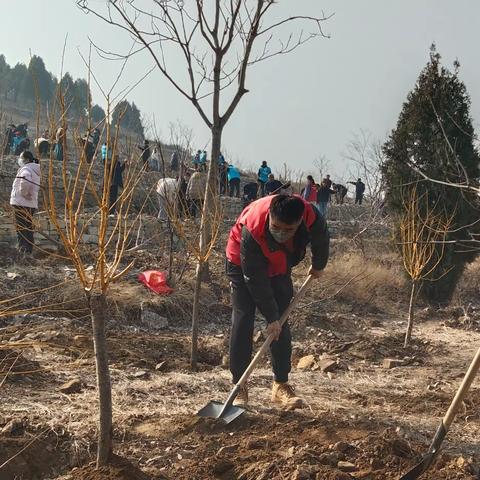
[{"x": 269, "y": 238}]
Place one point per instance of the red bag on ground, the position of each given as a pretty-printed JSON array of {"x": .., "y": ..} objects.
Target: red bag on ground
[{"x": 156, "y": 281}]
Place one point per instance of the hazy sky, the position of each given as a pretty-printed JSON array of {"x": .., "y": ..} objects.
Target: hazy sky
[{"x": 300, "y": 106}]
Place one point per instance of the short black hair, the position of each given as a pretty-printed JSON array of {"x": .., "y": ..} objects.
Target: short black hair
[
  {"x": 287, "y": 209},
  {"x": 309, "y": 177},
  {"x": 27, "y": 155}
]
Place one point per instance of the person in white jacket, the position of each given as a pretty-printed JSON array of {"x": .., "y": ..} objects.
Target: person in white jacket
[
  {"x": 166, "y": 192},
  {"x": 24, "y": 199}
]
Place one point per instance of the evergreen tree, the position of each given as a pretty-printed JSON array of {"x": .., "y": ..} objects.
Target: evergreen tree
[
  {"x": 434, "y": 134},
  {"x": 83, "y": 97},
  {"x": 67, "y": 87},
  {"x": 4, "y": 76},
  {"x": 97, "y": 114},
  {"x": 16, "y": 80},
  {"x": 128, "y": 116},
  {"x": 37, "y": 81}
]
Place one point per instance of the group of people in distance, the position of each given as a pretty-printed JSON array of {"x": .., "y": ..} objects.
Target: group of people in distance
[{"x": 320, "y": 194}]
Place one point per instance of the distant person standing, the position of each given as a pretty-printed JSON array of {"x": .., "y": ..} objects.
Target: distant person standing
[
  {"x": 310, "y": 191},
  {"x": 327, "y": 181},
  {"x": 323, "y": 197},
  {"x": 116, "y": 183},
  {"x": 95, "y": 138},
  {"x": 272, "y": 186},
  {"x": 203, "y": 161},
  {"x": 24, "y": 199},
  {"x": 146, "y": 152},
  {"x": 8, "y": 139},
  {"x": 359, "y": 191},
  {"x": 233, "y": 176},
  {"x": 60, "y": 139},
  {"x": 222, "y": 173},
  {"x": 221, "y": 159},
  {"x": 174, "y": 162},
  {"x": 196, "y": 160},
  {"x": 105, "y": 152},
  {"x": 154, "y": 161},
  {"x": 263, "y": 172}
]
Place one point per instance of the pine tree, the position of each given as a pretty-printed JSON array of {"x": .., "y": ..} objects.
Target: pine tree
[
  {"x": 4, "y": 75},
  {"x": 128, "y": 116},
  {"x": 67, "y": 87},
  {"x": 16, "y": 79},
  {"x": 434, "y": 134},
  {"x": 83, "y": 97},
  {"x": 97, "y": 114},
  {"x": 37, "y": 82}
]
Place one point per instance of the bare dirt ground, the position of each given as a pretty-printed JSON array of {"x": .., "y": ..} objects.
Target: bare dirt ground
[{"x": 362, "y": 421}]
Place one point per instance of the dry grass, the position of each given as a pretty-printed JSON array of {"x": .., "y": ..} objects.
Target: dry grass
[
  {"x": 467, "y": 288},
  {"x": 377, "y": 281}
]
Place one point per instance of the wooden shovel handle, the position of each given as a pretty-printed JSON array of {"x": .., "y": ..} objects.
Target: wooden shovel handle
[
  {"x": 269, "y": 339},
  {"x": 462, "y": 391}
]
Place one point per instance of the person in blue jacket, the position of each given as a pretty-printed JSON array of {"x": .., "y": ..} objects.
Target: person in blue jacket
[
  {"x": 203, "y": 161},
  {"x": 263, "y": 172},
  {"x": 233, "y": 176}
]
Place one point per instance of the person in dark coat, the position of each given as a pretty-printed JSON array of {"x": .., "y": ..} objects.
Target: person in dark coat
[
  {"x": 8, "y": 139},
  {"x": 327, "y": 181},
  {"x": 272, "y": 186},
  {"x": 359, "y": 191},
  {"x": 250, "y": 192},
  {"x": 174, "y": 162},
  {"x": 323, "y": 197},
  {"x": 340, "y": 192},
  {"x": 222, "y": 173},
  {"x": 115, "y": 184},
  {"x": 269, "y": 238},
  {"x": 146, "y": 152}
]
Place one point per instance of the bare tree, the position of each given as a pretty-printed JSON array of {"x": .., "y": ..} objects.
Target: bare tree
[
  {"x": 218, "y": 41},
  {"x": 423, "y": 233},
  {"x": 365, "y": 154},
  {"x": 322, "y": 164},
  {"x": 85, "y": 201},
  {"x": 189, "y": 235}
]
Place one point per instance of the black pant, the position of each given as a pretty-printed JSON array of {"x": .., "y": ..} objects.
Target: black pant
[
  {"x": 112, "y": 200},
  {"x": 358, "y": 198},
  {"x": 234, "y": 187},
  {"x": 261, "y": 186},
  {"x": 243, "y": 316},
  {"x": 195, "y": 207},
  {"x": 24, "y": 226},
  {"x": 223, "y": 183}
]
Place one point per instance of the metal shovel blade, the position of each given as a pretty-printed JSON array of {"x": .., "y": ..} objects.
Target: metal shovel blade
[
  {"x": 419, "y": 469},
  {"x": 214, "y": 410}
]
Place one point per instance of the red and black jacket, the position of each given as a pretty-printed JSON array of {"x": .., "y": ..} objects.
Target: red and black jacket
[{"x": 252, "y": 248}]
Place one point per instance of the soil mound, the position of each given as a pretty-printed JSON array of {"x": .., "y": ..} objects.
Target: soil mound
[{"x": 121, "y": 470}]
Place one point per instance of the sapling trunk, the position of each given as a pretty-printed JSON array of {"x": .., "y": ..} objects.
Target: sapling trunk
[
  {"x": 408, "y": 334},
  {"x": 98, "y": 311},
  {"x": 195, "y": 311}
]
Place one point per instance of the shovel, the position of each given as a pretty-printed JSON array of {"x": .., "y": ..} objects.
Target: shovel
[
  {"x": 444, "y": 426},
  {"x": 227, "y": 411}
]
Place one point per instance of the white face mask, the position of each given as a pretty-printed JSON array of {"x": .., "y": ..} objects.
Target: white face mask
[
  {"x": 21, "y": 162},
  {"x": 281, "y": 236}
]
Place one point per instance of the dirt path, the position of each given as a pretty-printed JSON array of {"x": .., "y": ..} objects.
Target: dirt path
[{"x": 377, "y": 420}]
